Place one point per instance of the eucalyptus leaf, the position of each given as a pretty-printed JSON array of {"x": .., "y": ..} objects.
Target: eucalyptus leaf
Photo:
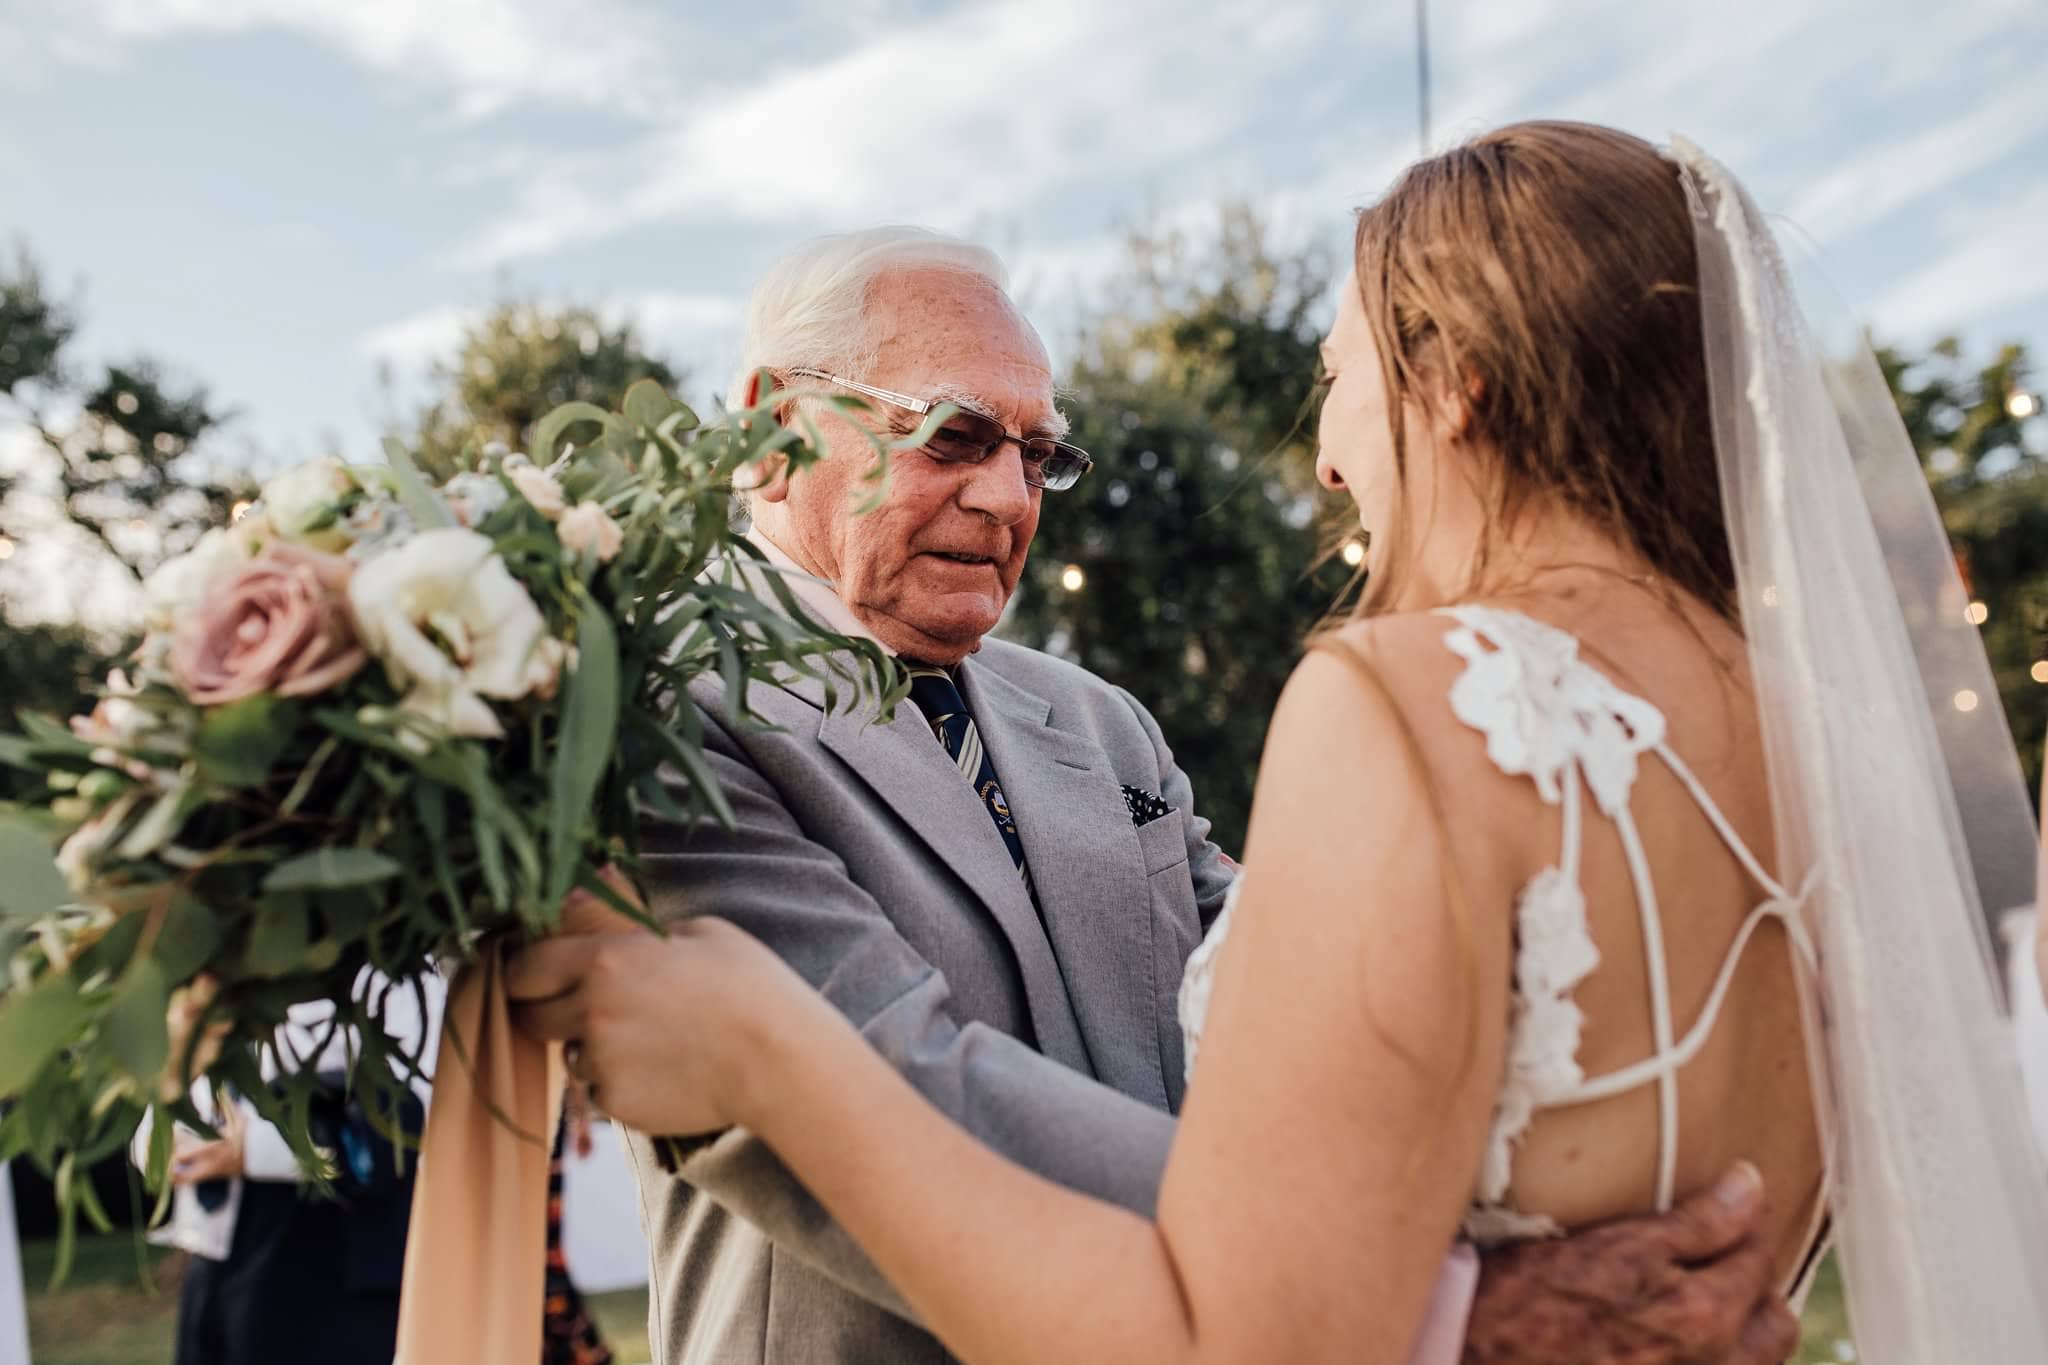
[
  {"x": 136, "y": 1029},
  {"x": 590, "y": 719},
  {"x": 429, "y": 512},
  {"x": 329, "y": 869},
  {"x": 161, "y": 823},
  {"x": 648, "y": 405},
  {"x": 30, "y": 884},
  {"x": 186, "y": 940},
  {"x": 548, "y": 432},
  {"x": 35, "y": 1024},
  {"x": 278, "y": 937},
  {"x": 239, "y": 744}
]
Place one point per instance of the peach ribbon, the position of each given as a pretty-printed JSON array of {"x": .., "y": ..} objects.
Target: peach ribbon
[{"x": 476, "y": 1248}]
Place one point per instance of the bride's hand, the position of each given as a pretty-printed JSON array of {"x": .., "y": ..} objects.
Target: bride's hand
[{"x": 673, "y": 1035}]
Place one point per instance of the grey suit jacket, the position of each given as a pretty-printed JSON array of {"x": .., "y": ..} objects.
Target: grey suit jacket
[{"x": 864, "y": 859}]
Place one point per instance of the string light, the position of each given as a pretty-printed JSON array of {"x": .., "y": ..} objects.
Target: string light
[
  {"x": 240, "y": 510},
  {"x": 6, "y": 548},
  {"x": 1966, "y": 701},
  {"x": 1353, "y": 553},
  {"x": 2039, "y": 672},
  {"x": 1976, "y": 613},
  {"x": 2022, "y": 404},
  {"x": 1072, "y": 578}
]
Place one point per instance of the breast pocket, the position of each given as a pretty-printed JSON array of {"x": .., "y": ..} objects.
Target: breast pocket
[{"x": 1164, "y": 842}]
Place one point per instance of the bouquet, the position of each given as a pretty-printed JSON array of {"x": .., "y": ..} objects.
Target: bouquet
[{"x": 372, "y": 724}]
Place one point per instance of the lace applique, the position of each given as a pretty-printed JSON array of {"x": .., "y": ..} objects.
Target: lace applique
[
  {"x": 1554, "y": 953},
  {"x": 1541, "y": 708},
  {"x": 1548, "y": 716}
]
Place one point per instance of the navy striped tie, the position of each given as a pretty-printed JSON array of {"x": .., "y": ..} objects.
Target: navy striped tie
[{"x": 936, "y": 694}]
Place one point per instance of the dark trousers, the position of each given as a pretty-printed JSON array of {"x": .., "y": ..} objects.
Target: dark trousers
[{"x": 296, "y": 1287}]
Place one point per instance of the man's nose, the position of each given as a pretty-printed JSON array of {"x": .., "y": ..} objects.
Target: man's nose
[{"x": 996, "y": 488}]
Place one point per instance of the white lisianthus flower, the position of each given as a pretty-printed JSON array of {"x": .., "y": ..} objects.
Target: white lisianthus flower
[
  {"x": 452, "y": 626},
  {"x": 587, "y": 526},
  {"x": 178, "y": 584},
  {"x": 474, "y": 498},
  {"x": 304, "y": 504},
  {"x": 538, "y": 487}
]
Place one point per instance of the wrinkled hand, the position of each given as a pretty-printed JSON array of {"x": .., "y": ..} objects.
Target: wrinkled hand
[
  {"x": 1694, "y": 1287},
  {"x": 672, "y": 1035},
  {"x": 197, "y": 1160}
]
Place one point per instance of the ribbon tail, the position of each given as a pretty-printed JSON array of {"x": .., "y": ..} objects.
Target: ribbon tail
[{"x": 476, "y": 1246}]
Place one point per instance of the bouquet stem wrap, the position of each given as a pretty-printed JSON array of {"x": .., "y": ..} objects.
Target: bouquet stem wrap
[{"x": 475, "y": 1255}]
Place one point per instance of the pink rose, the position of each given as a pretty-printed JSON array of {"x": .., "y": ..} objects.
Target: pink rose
[{"x": 279, "y": 623}]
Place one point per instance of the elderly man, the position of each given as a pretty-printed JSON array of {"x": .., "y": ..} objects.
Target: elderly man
[{"x": 1001, "y": 886}]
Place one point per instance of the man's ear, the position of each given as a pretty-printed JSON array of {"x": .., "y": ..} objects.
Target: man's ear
[{"x": 768, "y": 478}]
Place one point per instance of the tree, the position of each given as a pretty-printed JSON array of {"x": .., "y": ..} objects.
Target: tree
[
  {"x": 1978, "y": 433},
  {"x": 119, "y": 460},
  {"x": 518, "y": 362},
  {"x": 1181, "y": 567},
  {"x": 122, "y": 456}
]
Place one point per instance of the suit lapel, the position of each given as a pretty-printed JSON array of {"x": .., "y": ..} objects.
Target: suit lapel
[
  {"x": 907, "y": 769},
  {"x": 1089, "y": 872}
]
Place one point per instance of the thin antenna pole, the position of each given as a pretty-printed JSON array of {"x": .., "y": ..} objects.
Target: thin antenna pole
[{"x": 1422, "y": 69}]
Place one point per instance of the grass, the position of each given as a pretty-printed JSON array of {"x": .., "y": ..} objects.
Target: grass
[{"x": 104, "y": 1316}]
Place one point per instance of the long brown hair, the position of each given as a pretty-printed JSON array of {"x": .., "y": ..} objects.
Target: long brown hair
[{"x": 1550, "y": 268}]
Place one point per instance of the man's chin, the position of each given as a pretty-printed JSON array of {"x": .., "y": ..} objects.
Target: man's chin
[{"x": 939, "y": 640}]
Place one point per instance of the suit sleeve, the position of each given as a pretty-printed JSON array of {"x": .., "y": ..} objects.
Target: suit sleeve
[
  {"x": 795, "y": 895},
  {"x": 1211, "y": 868}
]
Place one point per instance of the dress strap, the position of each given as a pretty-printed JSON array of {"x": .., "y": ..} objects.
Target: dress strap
[{"x": 1670, "y": 1061}]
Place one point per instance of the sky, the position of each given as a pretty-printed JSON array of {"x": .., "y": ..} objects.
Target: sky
[{"x": 286, "y": 199}]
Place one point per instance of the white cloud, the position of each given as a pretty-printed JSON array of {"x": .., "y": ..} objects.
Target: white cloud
[
  {"x": 668, "y": 313},
  {"x": 664, "y": 318},
  {"x": 413, "y": 343},
  {"x": 489, "y": 53},
  {"x": 1891, "y": 175},
  {"x": 1989, "y": 262},
  {"x": 977, "y": 112}
]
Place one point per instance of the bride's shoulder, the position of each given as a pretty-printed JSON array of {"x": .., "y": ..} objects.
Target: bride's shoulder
[
  {"x": 1408, "y": 662},
  {"x": 1417, "y": 658}
]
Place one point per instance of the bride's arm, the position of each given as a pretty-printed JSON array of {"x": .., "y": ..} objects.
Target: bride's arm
[{"x": 1325, "y": 1153}]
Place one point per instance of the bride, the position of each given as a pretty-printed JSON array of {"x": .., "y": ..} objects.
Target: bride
[{"x": 1610, "y": 843}]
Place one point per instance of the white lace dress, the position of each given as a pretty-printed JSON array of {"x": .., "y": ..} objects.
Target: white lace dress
[{"x": 1549, "y": 716}]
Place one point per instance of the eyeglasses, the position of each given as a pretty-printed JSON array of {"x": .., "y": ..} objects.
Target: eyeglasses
[{"x": 970, "y": 437}]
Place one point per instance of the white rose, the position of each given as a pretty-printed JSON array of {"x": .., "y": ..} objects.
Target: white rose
[
  {"x": 538, "y": 487},
  {"x": 177, "y": 585},
  {"x": 588, "y": 526},
  {"x": 488, "y": 639},
  {"x": 304, "y": 504}
]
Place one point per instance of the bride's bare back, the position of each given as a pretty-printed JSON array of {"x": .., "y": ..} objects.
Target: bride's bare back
[{"x": 1745, "y": 1094}]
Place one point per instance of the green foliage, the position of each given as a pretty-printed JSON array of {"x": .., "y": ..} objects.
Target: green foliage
[
  {"x": 261, "y": 853},
  {"x": 1988, "y": 466},
  {"x": 518, "y": 363},
  {"x": 1194, "y": 534}
]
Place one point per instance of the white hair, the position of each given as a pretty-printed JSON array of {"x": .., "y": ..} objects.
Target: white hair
[{"x": 811, "y": 307}]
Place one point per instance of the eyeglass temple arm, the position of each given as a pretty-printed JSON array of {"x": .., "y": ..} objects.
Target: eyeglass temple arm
[{"x": 901, "y": 400}]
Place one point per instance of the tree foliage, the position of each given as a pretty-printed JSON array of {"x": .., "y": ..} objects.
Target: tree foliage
[
  {"x": 1980, "y": 441},
  {"x": 520, "y": 361},
  {"x": 1182, "y": 567},
  {"x": 122, "y": 453}
]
